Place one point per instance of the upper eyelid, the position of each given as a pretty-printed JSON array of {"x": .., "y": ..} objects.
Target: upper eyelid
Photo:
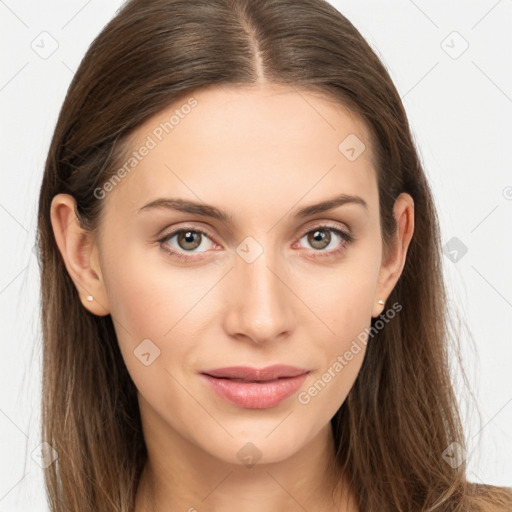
[{"x": 325, "y": 224}]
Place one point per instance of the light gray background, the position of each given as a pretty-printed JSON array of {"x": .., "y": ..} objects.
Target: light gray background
[{"x": 460, "y": 109}]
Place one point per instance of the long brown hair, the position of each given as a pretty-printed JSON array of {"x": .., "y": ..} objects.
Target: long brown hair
[{"x": 401, "y": 414}]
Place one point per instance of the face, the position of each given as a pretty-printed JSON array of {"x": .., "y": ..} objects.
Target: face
[{"x": 191, "y": 292}]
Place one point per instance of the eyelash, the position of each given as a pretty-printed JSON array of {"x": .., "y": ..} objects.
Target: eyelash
[{"x": 346, "y": 240}]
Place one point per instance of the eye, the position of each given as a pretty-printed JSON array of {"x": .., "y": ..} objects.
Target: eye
[
  {"x": 190, "y": 240},
  {"x": 187, "y": 240},
  {"x": 322, "y": 240}
]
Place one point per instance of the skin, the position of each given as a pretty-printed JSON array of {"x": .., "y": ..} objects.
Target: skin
[{"x": 260, "y": 154}]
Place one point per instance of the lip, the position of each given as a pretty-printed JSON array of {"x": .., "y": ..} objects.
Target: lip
[
  {"x": 248, "y": 373},
  {"x": 253, "y": 388}
]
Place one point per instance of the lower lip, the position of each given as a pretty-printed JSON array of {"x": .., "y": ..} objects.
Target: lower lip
[{"x": 255, "y": 395}]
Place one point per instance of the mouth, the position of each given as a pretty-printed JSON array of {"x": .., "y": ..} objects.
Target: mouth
[
  {"x": 246, "y": 380},
  {"x": 252, "y": 388},
  {"x": 248, "y": 374}
]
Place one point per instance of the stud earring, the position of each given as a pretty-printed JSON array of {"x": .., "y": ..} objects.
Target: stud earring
[
  {"x": 90, "y": 298},
  {"x": 381, "y": 302}
]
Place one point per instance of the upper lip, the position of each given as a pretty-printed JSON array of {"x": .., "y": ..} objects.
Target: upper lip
[{"x": 257, "y": 374}]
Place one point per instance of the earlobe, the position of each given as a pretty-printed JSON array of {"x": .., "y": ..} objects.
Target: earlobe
[
  {"x": 79, "y": 253},
  {"x": 392, "y": 268}
]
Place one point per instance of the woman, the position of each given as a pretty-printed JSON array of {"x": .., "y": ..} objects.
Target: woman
[{"x": 294, "y": 355}]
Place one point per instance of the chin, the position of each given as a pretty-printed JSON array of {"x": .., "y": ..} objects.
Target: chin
[{"x": 256, "y": 446}]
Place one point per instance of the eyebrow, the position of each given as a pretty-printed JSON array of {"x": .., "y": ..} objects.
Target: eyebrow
[{"x": 186, "y": 206}]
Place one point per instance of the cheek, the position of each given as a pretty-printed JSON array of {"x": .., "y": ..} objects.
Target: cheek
[
  {"x": 156, "y": 310},
  {"x": 339, "y": 357},
  {"x": 150, "y": 323},
  {"x": 343, "y": 303},
  {"x": 340, "y": 297},
  {"x": 148, "y": 297}
]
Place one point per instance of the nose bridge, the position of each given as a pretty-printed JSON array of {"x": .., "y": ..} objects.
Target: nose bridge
[{"x": 261, "y": 302}]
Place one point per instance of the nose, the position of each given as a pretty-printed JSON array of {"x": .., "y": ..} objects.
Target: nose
[{"x": 260, "y": 303}]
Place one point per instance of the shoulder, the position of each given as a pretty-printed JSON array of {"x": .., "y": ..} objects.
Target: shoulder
[{"x": 489, "y": 498}]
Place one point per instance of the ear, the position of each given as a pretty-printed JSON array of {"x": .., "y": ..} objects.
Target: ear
[
  {"x": 80, "y": 254},
  {"x": 391, "y": 269}
]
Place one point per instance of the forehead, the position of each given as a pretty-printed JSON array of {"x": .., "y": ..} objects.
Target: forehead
[{"x": 248, "y": 146}]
